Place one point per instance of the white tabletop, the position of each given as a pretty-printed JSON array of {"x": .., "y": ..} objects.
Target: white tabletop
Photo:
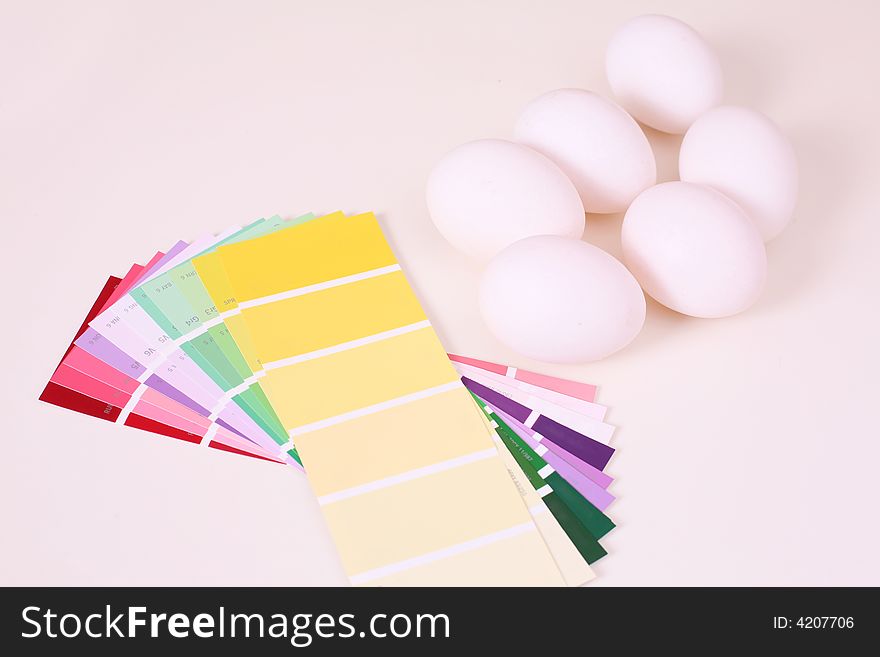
[{"x": 748, "y": 447}]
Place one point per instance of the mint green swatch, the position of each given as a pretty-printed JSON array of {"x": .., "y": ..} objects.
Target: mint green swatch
[{"x": 179, "y": 303}]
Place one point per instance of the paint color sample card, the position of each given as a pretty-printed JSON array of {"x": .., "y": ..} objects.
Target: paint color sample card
[
  {"x": 349, "y": 357},
  {"x": 532, "y": 395},
  {"x": 87, "y": 385},
  {"x": 596, "y": 493},
  {"x": 593, "y": 451},
  {"x": 300, "y": 342},
  {"x": 584, "y": 391},
  {"x": 574, "y": 567},
  {"x": 179, "y": 303},
  {"x": 127, "y": 338}
]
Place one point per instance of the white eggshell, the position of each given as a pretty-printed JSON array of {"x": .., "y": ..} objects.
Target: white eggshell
[
  {"x": 487, "y": 194},
  {"x": 694, "y": 250},
  {"x": 599, "y": 146},
  {"x": 561, "y": 300},
  {"x": 741, "y": 153},
  {"x": 663, "y": 72}
]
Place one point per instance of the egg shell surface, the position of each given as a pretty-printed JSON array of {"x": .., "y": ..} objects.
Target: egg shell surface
[
  {"x": 595, "y": 142},
  {"x": 560, "y": 300},
  {"x": 745, "y": 156},
  {"x": 663, "y": 72},
  {"x": 694, "y": 250},
  {"x": 487, "y": 194}
]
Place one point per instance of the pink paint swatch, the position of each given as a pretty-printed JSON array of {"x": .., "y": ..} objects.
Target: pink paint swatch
[{"x": 584, "y": 391}]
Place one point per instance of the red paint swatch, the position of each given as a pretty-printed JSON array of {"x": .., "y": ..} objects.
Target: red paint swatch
[{"x": 87, "y": 385}]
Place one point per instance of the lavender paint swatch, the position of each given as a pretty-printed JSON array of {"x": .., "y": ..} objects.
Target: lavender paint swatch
[{"x": 584, "y": 447}]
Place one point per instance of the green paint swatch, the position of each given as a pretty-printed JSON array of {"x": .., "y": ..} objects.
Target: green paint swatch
[
  {"x": 581, "y": 526},
  {"x": 179, "y": 303}
]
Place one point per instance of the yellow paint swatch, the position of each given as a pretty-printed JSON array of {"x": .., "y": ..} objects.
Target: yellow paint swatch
[
  {"x": 346, "y": 381},
  {"x": 355, "y": 373},
  {"x": 210, "y": 269},
  {"x": 348, "y": 312},
  {"x": 212, "y": 272},
  {"x": 319, "y": 250}
]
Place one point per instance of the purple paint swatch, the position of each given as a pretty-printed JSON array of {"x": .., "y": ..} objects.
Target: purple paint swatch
[
  {"x": 586, "y": 486},
  {"x": 584, "y": 447}
]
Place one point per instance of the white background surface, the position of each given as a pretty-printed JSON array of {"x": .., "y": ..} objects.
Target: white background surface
[{"x": 748, "y": 447}]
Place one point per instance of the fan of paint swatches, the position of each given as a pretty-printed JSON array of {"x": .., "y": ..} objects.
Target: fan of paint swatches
[
  {"x": 87, "y": 385},
  {"x": 127, "y": 337},
  {"x": 301, "y": 342}
]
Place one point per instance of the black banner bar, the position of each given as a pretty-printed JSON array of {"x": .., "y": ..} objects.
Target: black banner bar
[{"x": 429, "y": 621}]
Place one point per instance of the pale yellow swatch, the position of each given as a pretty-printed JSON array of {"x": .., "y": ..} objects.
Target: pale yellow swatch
[
  {"x": 571, "y": 564},
  {"x": 406, "y": 437},
  {"x": 569, "y": 561},
  {"x": 424, "y": 515},
  {"x": 469, "y": 568}
]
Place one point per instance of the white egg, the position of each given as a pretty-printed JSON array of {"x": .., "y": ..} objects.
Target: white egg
[
  {"x": 663, "y": 72},
  {"x": 741, "y": 153},
  {"x": 599, "y": 146},
  {"x": 561, "y": 300},
  {"x": 694, "y": 250},
  {"x": 487, "y": 194}
]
